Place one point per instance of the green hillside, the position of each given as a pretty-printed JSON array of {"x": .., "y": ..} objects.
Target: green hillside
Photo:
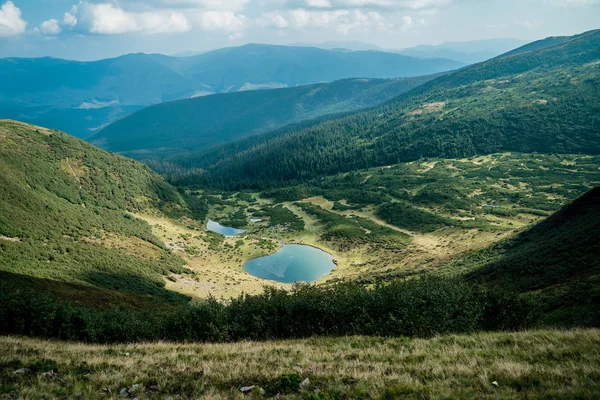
[
  {"x": 67, "y": 224},
  {"x": 558, "y": 258},
  {"x": 165, "y": 130},
  {"x": 543, "y": 100}
]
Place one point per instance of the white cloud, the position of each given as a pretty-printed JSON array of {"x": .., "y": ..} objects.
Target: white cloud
[
  {"x": 275, "y": 20},
  {"x": 319, "y": 3},
  {"x": 50, "y": 27},
  {"x": 342, "y": 21},
  {"x": 108, "y": 19},
  {"x": 222, "y": 20},
  {"x": 11, "y": 23},
  {"x": 575, "y": 3},
  {"x": 366, "y": 4},
  {"x": 70, "y": 19},
  {"x": 220, "y": 5}
]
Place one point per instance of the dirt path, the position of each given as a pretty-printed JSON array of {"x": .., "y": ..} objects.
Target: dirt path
[
  {"x": 74, "y": 174},
  {"x": 9, "y": 239}
]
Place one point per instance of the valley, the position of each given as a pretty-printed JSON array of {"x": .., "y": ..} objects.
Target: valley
[
  {"x": 442, "y": 210},
  {"x": 294, "y": 222}
]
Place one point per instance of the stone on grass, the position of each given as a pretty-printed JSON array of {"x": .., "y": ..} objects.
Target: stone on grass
[
  {"x": 305, "y": 383},
  {"x": 22, "y": 371},
  {"x": 135, "y": 388}
]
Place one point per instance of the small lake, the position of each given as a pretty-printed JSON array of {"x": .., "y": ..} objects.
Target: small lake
[
  {"x": 223, "y": 230},
  {"x": 292, "y": 263}
]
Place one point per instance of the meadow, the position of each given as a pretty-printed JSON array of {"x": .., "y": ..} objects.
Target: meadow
[{"x": 536, "y": 364}]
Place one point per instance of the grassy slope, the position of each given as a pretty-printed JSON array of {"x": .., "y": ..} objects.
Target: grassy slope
[
  {"x": 543, "y": 100},
  {"x": 559, "y": 258},
  {"x": 65, "y": 222},
  {"x": 167, "y": 129},
  {"x": 532, "y": 364}
]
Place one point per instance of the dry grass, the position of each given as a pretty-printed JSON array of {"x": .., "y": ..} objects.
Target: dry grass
[
  {"x": 535, "y": 364},
  {"x": 216, "y": 271}
]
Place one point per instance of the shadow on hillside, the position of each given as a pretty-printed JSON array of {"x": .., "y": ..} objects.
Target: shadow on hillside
[
  {"x": 79, "y": 294},
  {"x": 135, "y": 285}
]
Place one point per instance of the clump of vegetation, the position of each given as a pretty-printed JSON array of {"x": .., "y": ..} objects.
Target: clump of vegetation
[
  {"x": 418, "y": 308},
  {"x": 353, "y": 230},
  {"x": 283, "y": 217},
  {"x": 236, "y": 219},
  {"x": 404, "y": 215}
]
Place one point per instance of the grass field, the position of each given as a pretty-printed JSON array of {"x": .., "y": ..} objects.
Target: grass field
[{"x": 531, "y": 364}]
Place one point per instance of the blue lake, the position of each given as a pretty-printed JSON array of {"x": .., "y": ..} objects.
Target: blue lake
[
  {"x": 292, "y": 263},
  {"x": 223, "y": 230}
]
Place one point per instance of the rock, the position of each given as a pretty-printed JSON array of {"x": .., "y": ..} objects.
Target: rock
[
  {"x": 105, "y": 390},
  {"x": 305, "y": 383},
  {"x": 124, "y": 392},
  {"x": 495, "y": 383},
  {"x": 262, "y": 391},
  {"x": 50, "y": 374},
  {"x": 22, "y": 371},
  {"x": 135, "y": 388},
  {"x": 246, "y": 389}
]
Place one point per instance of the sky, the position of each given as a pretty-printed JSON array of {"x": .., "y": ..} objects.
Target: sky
[{"x": 95, "y": 29}]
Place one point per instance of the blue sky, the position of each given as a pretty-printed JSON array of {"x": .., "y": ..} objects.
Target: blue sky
[{"x": 94, "y": 29}]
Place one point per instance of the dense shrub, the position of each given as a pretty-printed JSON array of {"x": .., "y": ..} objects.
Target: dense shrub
[{"x": 420, "y": 307}]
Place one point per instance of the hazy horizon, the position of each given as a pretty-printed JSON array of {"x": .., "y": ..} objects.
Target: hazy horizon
[{"x": 96, "y": 29}]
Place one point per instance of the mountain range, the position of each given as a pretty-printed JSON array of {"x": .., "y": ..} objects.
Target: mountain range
[
  {"x": 541, "y": 100},
  {"x": 468, "y": 52},
  {"x": 168, "y": 130},
  {"x": 81, "y": 97}
]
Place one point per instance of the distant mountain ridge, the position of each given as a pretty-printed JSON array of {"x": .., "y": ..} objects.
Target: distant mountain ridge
[
  {"x": 543, "y": 100},
  {"x": 469, "y": 52},
  {"x": 166, "y": 130},
  {"x": 37, "y": 90}
]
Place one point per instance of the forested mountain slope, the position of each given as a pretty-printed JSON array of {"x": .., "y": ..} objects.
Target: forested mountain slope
[
  {"x": 81, "y": 97},
  {"x": 538, "y": 101},
  {"x": 164, "y": 130},
  {"x": 66, "y": 222},
  {"x": 558, "y": 258}
]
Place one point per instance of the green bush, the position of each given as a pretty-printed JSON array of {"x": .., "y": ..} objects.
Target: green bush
[{"x": 421, "y": 307}]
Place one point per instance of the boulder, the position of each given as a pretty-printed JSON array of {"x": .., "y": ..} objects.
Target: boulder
[
  {"x": 247, "y": 389},
  {"x": 22, "y": 371},
  {"x": 305, "y": 383}
]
